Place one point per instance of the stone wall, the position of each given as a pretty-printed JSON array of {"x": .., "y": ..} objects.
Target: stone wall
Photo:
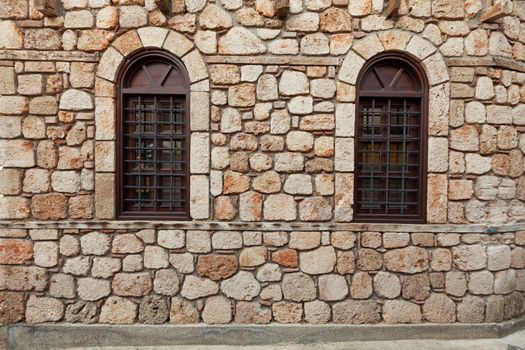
[
  {"x": 188, "y": 276},
  {"x": 272, "y": 104}
]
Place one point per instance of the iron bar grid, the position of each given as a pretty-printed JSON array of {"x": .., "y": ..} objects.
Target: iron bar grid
[
  {"x": 388, "y": 156},
  {"x": 154, "y": 149}
]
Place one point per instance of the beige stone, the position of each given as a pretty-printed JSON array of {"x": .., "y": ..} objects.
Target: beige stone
[
  {"x": 318, "y": 261},
  {"x": 239, "y": 41},
  {"x": 408, "y": 260},
  {"x": 356, "y": 312},
  {"x": 315, "y": 44},
  {"x": 182, "y": 312},
  {"x": 242, "y": 286},
  {"x": 196, "y": 287},
  {"x": 279, "y": 207},
  {"x": 117, "y": 310},
  {"x": 287, "y": 312},
  {"x": 298, "y": 287},
  {"x": 399, "y": 311},
  {"x": 43, "y": 309},
  {"x": 332, "y": 287}
]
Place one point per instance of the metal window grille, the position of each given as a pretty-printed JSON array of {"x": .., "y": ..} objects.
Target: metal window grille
[
  {"x": 154, "y": 146},
  {"x": 153, "y": 138},
  {"x": 388, "y": 156},
  {"x": 390, "y": 159}
]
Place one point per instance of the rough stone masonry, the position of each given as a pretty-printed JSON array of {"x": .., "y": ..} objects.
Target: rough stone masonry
[{"x": 272, "y": 100}]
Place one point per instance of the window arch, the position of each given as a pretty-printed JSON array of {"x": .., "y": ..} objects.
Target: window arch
[
  {"x": 153, "y": 137},
  {"x": 391, "y": 138}
]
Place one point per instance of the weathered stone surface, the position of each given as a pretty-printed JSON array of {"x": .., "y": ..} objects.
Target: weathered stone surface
[
  {"x": 62, "y": 286},
  {"x": 471, "y": 310},
  {"x": 75, "y": 100},
  {"x": 127, "y": 243},
  {"x": 304, "y": 22},
  {"x": 81, "y": 311},
  {"x": 369, "y": 260},
  {"x": 227, "y": 240},
  {"x": 315, "y": 44},
  {"x": 12, "y": 306},
  {"x": 166, "y": 282},
  {"x": 279, "y": 207},
  {"x": 499, "y": 257},
  {"x": 505, "y": 282},
  {"x": 298, "y": 287},
  {"x": 335, "y": 20},
  {"x": 481, "y": 282},
  {"x": 217, "y": 267},
  {"x": 196, "y": 287},
  {"x": 117, "y": 310},
  {"x": 399, "y": 311},
  {"x": 293, "y": 83},
  {"x": 407, "y": 260},
  {"x": 235, "y": 182},
  {"x": 439, "y": 309},
  {"x": 304, "y": 240},
  {"x": 132, "y": 284},
  {"x": 105, "y": 267},
  {"x": 45, "y": 254},
  {"x": 315, "y": 209},
  {"x": 217, "y": 310},
  {"x": 43, "y": 309},
  {"x": 23, "y": 278},
  {"x": 95, "y": 243},
  {"x": 356, "y": 312},
  {"x": 132, "y": 16},
  {"x": 77, "y": 266},
  {"x": 183, "y": 312},
  {"x": 15, "y": 251},
  {"x": 253, "y": 256},
  {"x": 155, "y": 257},
  {"x": 285, "y": 257},
  {"x": 318, "y": 261},
  {"x": 387, "y": 285},
  {"x": 332, "y": 287},
  {"x": 242, "y": 286},
  {"x": 287, "y": 312},
  {"x": 92, "y": 289},
  {"x": 269, "y": 273},
  {"x": 153, "y": 310},
  {"x": 239, "y": 41},
  {"x": 247, "y": 312},
  {"x": 213, "y": 17},
  {"x": 455, "y": 283},
  {"x": 468, "y": 258}
]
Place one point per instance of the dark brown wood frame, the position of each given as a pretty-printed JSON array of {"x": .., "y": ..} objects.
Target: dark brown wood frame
[
  {"x": 413, "y": 63},
  {"x": 143, "y": 56}
]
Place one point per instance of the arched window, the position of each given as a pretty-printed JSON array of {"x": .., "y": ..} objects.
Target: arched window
[
  {"x": 153, "y": 138},
  {"x": 391, "y": 137}
]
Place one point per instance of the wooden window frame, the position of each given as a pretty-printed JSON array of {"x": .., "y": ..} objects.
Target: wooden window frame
[
  {"x": 407, "y": 61},
  {"x": 139, "y": 58}
]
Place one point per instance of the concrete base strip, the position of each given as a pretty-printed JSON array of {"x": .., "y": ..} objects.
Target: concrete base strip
[{"x": 62, "y": 336}]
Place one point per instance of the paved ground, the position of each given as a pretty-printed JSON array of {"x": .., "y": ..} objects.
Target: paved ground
[{"x": 515, "y": 341}]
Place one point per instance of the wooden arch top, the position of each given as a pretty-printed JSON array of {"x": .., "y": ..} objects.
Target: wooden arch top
[
  {"x": 392, "y": 74},
  {"x": 154, "y": 72}
]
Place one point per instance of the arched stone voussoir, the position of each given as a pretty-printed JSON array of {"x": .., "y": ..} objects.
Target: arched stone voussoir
[
  {"x": 152, "y": 37},
  {"x": 109, "y": 64},
  {"x": 369, "y": 46},
  {"x": 413, "y": 44}
]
